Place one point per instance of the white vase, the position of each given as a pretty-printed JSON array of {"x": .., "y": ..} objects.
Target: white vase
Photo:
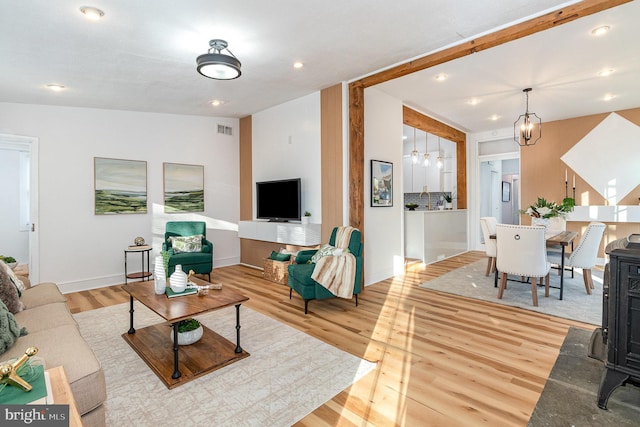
[
  {"x": 304, "y": 220},
  {"x": 178, "y": 280},
  {"x": 186, "y": 338},
  {"x": 544, "y": 222},
  {"x": 159, "y": 276}
]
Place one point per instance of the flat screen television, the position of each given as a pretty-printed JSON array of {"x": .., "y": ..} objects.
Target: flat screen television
[{"x": 278, "y": 200}]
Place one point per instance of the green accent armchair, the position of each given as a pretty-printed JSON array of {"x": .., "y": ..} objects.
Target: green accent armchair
[
  {"x": 300, "y": 273},
  {"x": 199, "y": 262}
]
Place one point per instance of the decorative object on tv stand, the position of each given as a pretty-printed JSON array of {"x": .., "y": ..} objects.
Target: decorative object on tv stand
[
  {"x": 9, "y": 372},
  {"x": 217, "y": 65},
  {"x": 305, "y": 219},
  {"x": 159, "y": 276},
  {"x": 138, "y": 241},
  {"x": 178, "y": 280},
  {"x": 524, "y": 132},
  {"x": 189, "y": 332}
]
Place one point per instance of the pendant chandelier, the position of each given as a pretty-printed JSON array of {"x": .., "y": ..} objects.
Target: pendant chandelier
[
  {"x": 439, "y": 161},
  {"x": 217, "y": 65},
  {"x": 524, "y": 129}
]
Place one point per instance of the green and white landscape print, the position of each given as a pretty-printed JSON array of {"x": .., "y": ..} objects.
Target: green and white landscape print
[
  {"x": 120, "y": 186},
  {"x": 183, "y": 188}
]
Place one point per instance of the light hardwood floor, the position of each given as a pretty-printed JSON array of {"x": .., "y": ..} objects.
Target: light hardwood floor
[{"x": 442, "y": 360}]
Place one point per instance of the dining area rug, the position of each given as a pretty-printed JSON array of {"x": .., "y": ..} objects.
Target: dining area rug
[
  {"x": 470, "y": 281},
  {"x": 287, "y": 375}
]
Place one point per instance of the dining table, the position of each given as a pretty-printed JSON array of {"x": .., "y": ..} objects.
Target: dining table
[{"x": 553, "y": 239}]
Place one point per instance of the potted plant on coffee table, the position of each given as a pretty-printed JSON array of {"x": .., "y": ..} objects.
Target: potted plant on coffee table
[{"x": 189, "y": 331}]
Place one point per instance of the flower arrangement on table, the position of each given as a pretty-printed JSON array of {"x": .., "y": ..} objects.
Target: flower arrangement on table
[{"x": 546, "y": 209}]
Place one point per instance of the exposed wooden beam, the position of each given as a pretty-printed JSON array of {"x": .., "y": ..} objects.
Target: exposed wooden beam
[
  {"x": 356, "y": 157},
  {"x": 532, "y": 26}
]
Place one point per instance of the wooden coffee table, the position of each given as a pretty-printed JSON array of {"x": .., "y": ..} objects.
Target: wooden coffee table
[{"x": 173, "y": 364}]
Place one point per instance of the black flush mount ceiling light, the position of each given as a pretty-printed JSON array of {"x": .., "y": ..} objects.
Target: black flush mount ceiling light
[
  {"x": 218, "y": 65},
  {"x": 524, "y": 129}
]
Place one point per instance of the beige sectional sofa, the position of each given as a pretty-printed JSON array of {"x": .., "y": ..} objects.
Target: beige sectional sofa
[{"x": 53, "y": 330}]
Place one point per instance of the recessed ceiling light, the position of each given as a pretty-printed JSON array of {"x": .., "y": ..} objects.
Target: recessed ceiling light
[
  {"x": 217, "y": 102},
  {"x": 298, "y": 64},
  {"x": 441, "y": 77},
  {"x": 608, "y": 97},
  {"x": 494, "y": 117},
  {"x": 55, "y": 87},
  {"x": 600, "y": 30},
  {"x": 92, "y": 13},
  {"x": 605, "y": 73},
  {"x": 473, "y": 101}
]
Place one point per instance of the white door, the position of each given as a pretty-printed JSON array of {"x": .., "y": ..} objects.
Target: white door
[{"x": 22, "y": 233}]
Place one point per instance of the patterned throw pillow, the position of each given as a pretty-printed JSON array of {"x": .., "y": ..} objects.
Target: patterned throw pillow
[
  {"x": 327, "y": 250},
  {"x": 187, "y": 243},
  {"x": 14, "y": 279},
  {"x": 9, "y": 293}
]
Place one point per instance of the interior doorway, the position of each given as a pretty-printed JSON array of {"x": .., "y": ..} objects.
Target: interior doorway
[
  {"x": 19, "y": 212},
  {"x": 499, "y": 179}
]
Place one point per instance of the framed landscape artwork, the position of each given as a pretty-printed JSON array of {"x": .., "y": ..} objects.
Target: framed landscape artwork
[
  {"x": 183, "y": 188},
  {"x": 381, "y": 183},
  {"x": 120, "y": 186}
]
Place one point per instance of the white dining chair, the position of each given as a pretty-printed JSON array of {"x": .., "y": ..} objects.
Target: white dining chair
[
  {"x": 521, "y": 251},
  {"x": 488, "y": 226},
  {"x": 583, "y": 256}
]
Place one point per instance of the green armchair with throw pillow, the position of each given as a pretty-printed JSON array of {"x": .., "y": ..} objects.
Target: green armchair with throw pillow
[
  {"x": 187, "y": 244},
  {"x": 344, "y": 242}
]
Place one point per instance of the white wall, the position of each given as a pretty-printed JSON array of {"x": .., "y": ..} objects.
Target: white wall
[
  {"x": 81, "y": 250},
  {"x": 286, "y": 144},
  {"x": 383, "y": 240}
]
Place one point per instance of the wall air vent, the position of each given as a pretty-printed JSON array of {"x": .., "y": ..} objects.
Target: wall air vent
[{"x": 225, "y": 130}]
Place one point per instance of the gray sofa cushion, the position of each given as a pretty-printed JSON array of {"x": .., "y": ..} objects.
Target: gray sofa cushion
[
  {"x": 42, "y": 317},
  {"x": 44, "y": 293}
]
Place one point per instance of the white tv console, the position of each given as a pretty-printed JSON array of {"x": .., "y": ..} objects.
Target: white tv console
[{"x": 287, "y": 233}]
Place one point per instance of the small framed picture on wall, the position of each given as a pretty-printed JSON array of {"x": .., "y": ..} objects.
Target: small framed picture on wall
[
  {"x": 506, "y": 191},
  {"x": 381, "y": 183}
]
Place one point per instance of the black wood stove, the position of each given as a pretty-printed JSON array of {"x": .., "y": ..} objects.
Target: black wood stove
[{"x": 621, "y": 317}]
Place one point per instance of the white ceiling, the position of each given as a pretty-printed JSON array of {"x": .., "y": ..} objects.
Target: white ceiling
[{"x": 141, "y": 55}]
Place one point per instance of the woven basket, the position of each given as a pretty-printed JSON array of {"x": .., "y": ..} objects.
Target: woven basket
[{"x": 276, "y": 271}]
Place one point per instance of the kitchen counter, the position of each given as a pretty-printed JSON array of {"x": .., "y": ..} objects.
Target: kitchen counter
[{"x": 435, "y": 235}]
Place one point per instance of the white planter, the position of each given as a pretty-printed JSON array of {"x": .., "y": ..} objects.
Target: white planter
[
  {"x": 304, "y": 220},
  {"x": 186, "y": 338},
  {"x": 544, "y": 222}
]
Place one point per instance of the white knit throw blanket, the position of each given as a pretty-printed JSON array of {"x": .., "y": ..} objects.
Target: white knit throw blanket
[{"x": 337, "y": 273}]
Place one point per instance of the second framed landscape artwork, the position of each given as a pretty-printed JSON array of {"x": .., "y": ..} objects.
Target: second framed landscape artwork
[{"x": 183, "y": 187}]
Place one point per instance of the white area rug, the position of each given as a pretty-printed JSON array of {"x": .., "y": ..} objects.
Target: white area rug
[
  {"x": 470, "y": 281},
  {"x": 286, "y": 377}
]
